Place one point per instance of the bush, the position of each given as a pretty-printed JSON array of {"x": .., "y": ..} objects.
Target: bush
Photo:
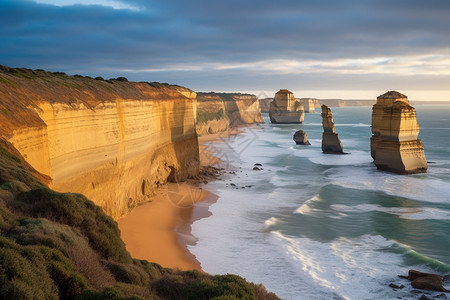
[
  {"x": 99, "y": 78},
  {"x": 110, "y": 293},
  {"x": 77, "y": 211},
  {"x": 122, "y": 79},
  {"x": 23, "y": 273},
  {"x": 128, "y": 273},
  {"x": 219, "y": 286}
]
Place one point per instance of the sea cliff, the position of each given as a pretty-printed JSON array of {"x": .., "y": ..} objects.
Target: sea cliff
[
  {"x": 217, "y": 112},
  {"x": 112, "y": 140}
]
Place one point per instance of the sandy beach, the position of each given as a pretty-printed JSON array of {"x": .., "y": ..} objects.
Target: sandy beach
[{"x": 160, "y": 230}]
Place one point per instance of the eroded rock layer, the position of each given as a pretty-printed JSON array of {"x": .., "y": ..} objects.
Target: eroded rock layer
[
  {"x": 217, "y": 112},
  {"x": 308, "y": 104},
  {"x": 331, "y": 144},
  {"x": 113, "y": 141},
  {"x": 285, "y": 109},
  {"x": 394, "y": 144}
]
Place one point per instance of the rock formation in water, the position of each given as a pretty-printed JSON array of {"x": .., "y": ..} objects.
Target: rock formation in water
[
  {"x": 111, "y": 140},
  {"x": 426, "y": 281},
  {"x": 301, "y": 138},
  {"x": 331, "y": 144},
  {"x": 394, "y": 144},
  {"x": 308, "y": 104},
  {"x": 217, "y": 112},
  {"x": 285, "y": 109}
]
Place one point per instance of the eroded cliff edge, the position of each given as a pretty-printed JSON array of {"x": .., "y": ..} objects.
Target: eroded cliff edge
[
  {"x": 217, "y": 112},
  {"x": 112, "y": 140}
]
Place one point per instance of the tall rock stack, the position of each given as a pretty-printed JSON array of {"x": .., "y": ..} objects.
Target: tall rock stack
[
  {"x": 331, "y": 144},
  {"x": 394, "y": 145},
  {"x": 285, "y": 109}
]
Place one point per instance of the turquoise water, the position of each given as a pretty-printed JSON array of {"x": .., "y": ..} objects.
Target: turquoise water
[{"x": 316, "y": 226}]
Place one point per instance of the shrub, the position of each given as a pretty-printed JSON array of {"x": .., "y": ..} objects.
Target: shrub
[
  {"x": 77, "y": 211},
  {"x": 110, "y": 293},
  {"x": 122, "y": 79},
  {"x": 99, "y": 78},
  {"x": 23, "y": 273},
  {"x": 70, "y": 283},
  {"x": 153, "y": 270},
  {"x": 219, "y": 286},
  {"x": 128, "y": 273}
]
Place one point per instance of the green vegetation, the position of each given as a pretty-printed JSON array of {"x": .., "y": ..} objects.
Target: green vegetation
[
  {"x": 62, "y": 246},
  {"x": 6, "y": 153},
  {"x": 204, "y": 117}
]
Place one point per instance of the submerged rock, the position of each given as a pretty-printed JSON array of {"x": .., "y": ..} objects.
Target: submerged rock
[
  {"x": 301, "y": 138},
  {"x": 394, "y": 144},
  {"x": 331, "y": 144},
  {"x": 285, "y": 109}
]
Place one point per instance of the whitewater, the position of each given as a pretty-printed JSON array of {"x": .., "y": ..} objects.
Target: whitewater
[{"x": 315, "y": 226}]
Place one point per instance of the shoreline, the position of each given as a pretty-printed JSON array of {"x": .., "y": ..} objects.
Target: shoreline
[{"x": 160, "y": 230}]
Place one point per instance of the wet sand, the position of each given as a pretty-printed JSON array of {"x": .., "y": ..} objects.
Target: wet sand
[{"x": 160, "y": 230}]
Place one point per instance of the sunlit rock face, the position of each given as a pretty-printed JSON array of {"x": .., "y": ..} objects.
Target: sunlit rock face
[
  {"x": 114, "y": 142},
  {"x": 394, "y": 143},
  {"x": 308, "y": 104},
  {"x": 285, "y": 109},
  {"x": 331, "y": 144},
  {"x": 217, "y": 112}
]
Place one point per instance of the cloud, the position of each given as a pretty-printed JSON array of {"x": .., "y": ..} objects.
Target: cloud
[
  {"x": 116, "y": 4},
  {"x": 203, "y": 43}
]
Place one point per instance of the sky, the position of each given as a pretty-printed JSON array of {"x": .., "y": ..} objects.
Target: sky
[{"x": 350, "y": 49}]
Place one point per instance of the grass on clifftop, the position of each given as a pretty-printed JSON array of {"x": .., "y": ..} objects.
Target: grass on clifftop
[{"x": 62, "y": 246}]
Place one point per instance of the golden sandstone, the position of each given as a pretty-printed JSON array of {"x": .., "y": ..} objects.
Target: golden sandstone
[
  {"x": 394, "y": 144},
  {"x": 285, "y": 109}
]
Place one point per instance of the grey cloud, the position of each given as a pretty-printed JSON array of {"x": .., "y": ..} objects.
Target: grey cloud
[{"x": 95, "y": 39}]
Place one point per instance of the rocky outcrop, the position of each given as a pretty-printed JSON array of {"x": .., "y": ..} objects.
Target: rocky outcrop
[
  {"x": 265, "y": 104},
  {"x": 331, "y": 144},
  {"x": 217, "y": 112},
  {"x": 394, "y": 144},
  {"x": 426, "y": 281},
  {"x": 301, "y": 138},
  {"x": 113, "y": 141},
  {"x": 308, "y": 104},
  {"x": 285, "y": 109}
]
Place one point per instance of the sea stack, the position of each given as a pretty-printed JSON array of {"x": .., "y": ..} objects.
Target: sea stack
[
  {"x": 285, "y": 109},
  {"x": 301, "y": 138},
  {"x": 331, "y": 144},
  {"x": 394, "y": 145}
]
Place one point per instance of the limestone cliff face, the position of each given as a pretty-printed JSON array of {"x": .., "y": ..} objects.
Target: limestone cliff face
[
  {"x": 112, "y": 141},
  {"x": 308, "y": 104},
  {"x": 217, "y": 112},
  {"x": 285, "y": 109},
  {"x": 394, "y": 144},
  {"x": 331, "y": 144},
  {"x": 265, "y": 104}
]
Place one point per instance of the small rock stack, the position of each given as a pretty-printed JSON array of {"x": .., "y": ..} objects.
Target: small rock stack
[
  {"x": 301, "y": 138},
  {"x": 331, "y": 144},
  {"x": 394, "y": 144}
]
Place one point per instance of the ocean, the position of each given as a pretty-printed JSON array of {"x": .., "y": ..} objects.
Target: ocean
[{"x": 316, "y": 226}]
